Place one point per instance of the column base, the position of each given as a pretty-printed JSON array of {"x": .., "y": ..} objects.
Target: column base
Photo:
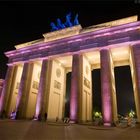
[
  {"x": 72, "y": 122},
  {"x": 107, "y": 124},
  {"x": 35, "y": 119}
]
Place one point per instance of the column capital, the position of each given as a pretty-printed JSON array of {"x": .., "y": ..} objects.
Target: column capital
[
  {"x": 104, "y": 49},
  {"x": 75, "y": 53},
  {"x": 137, "y": 44},
  {"x": 10, "y": 64},
  {"x": 43, "y": 59},
  {"x": 29, "y": 62}
]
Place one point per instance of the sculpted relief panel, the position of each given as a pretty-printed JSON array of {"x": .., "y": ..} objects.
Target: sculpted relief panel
[
  {"x": 35, "y": 85},
  {"x": 57, "y": 84},
  {"x": 86, "y": 82},
  {"x": 58, "y": 72}
]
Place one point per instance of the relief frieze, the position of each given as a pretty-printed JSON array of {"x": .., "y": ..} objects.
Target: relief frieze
[
  {"x": 57, "y": 84},
  {"x": 35, "y": 85},
  {"x": 86, "y": 82}
]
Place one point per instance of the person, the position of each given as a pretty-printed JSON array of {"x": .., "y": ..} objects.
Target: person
[
  {"x": 45, "y": 116},
  {"x": 33, "y": 117},
  {"x": 3, "y": 114},
  {"x": 12, "y": 115},
  {"x": 39, "y": 117},
  {"x": 129, "y": 121},
  {"x": 17, "y": 115},
  {"x": 66, "y": 120},
  {"x": 57, "y": 119}
]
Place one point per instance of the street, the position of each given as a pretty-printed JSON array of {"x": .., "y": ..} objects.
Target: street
[{"x": 34, "y": 130}]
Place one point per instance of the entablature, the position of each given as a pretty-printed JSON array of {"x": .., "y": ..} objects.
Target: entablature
[{"x": 81, "y": 42}]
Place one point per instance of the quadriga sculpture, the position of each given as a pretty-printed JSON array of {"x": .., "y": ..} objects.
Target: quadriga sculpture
[{"x": 67, "y": 23}]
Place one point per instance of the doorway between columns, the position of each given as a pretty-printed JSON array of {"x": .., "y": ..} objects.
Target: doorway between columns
[
  {"x": 124, "y": 91},
  {"x": 96, "y": 94},
  {"x": 67, "y": 95}
]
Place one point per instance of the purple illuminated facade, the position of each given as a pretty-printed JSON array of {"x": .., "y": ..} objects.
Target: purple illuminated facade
[
  {"x": 101, "y": 40},
  {"x": 1, "y": 85},
  {"x": 74, "y": 89},
  {"x": 106, "y": 86}
]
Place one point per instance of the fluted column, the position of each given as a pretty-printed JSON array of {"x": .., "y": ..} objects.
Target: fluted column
[
  {"x": 1, "y": 85},
  {"x": 24, "y": 88},
  {"x": 114, "y": 98},
  {"x": 6, "y": 88},
  {"x": 0, "y": 90},
  {"x": 41, "y": 97},
  {"x": 135, "y": 70},
  {"x": 75, "y": 90},
  {"x": 106, "y": 86}
]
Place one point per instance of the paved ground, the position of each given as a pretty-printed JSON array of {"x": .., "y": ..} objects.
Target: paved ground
[{"x": 32, "y": 130}]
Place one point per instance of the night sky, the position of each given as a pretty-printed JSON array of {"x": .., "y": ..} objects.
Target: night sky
[{"x": 25, "y": 21}]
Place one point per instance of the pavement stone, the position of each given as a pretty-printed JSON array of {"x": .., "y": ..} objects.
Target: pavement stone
[{"x": 34, "y": 130}]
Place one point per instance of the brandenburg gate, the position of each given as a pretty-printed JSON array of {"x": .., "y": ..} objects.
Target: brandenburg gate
[{"x": 35, "y": 81}]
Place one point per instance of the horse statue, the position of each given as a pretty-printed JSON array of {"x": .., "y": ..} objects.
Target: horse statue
[
  {"x": 67, "y": 23},
  {"x": 60, "y": 25},
  {"x": 68, "y": 20},
  {"x": 76, "y": 22},
  {"x": 54, "y": 27}
]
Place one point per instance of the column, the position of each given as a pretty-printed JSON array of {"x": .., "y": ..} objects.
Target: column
[
  {"x": 135, "y": 70},
  {"x": 106, "y": 87},
  {"x": 11, "y": 90},
  {"x": 41, "y": 97},
  {"x": 114, "y": 98},
  {"x": 1, "y": 85},
  {"x": 0, "y": 90},
  {"x": 24, "y": 89},
  {"x": 6, "y": 88},
  {"x": 75, "y": 89}
]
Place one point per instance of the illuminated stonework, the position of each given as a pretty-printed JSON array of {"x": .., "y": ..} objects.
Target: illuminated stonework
[
  {"x": 63, "y": 33},
  {"x": 58, "y": 72},
  {"x": 1, "y": 85},
  {"x": 35, "y": 82}
]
